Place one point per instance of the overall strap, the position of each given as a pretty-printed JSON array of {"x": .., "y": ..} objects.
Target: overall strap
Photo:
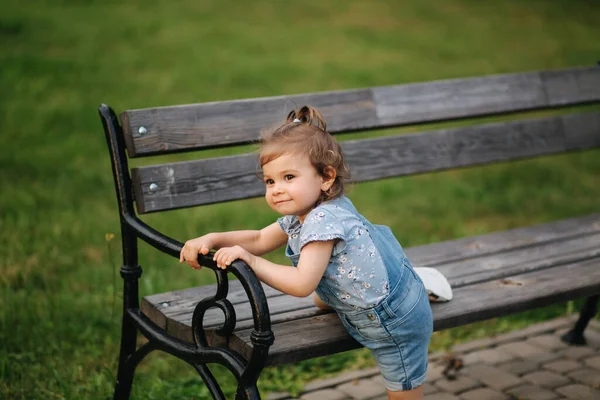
[{"x": 388, "y": 246}]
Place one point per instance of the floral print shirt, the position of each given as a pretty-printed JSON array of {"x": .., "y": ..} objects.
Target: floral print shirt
[{"x": 356, "y": 272}]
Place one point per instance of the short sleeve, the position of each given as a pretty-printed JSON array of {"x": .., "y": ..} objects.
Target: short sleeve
[
  {"x": 290, "y": 224},
  {"x": 321, "y": 225}
]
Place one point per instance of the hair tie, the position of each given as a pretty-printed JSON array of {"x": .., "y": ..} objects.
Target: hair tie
[{"x": 296, "y": 120}]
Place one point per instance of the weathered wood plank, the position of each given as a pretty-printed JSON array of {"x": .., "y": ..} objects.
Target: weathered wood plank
[
  {"x": 293, "y": 341},
  {"x": 215, "y": 124},
  {"x": 521, "y": 260},
  {"x": 520, "y": 292},
  {"x": 467, "y": 261},
  {"x": 452, "y": 99},
  {"x": 465, "y": 272},
  {"x": 233, "y": 122},
  {"x": 191, "y": 183},
  {"x": 442, "y": 253},
  {"x": 301, "y": 340},
  {"x": 431, "y": 255}
]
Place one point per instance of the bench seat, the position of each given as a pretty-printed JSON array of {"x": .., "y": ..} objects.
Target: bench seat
[{"x": 492, "y": 275}]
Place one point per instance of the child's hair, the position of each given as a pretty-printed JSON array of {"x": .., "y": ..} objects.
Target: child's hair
[{"x": 304, "y": 132}]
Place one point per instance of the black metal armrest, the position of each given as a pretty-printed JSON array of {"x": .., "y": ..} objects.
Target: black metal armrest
[{"x": 245, "y": 274}]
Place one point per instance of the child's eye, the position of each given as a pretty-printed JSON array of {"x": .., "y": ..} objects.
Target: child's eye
[
  {"x": 288, "y": 177},
  {"x": 269, "y": 181}
]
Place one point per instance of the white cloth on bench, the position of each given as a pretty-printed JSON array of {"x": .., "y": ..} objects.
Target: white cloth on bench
[{"x": 435, "y": 283}]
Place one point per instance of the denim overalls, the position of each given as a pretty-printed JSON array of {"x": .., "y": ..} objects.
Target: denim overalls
[{"x": 398, "y": 329}]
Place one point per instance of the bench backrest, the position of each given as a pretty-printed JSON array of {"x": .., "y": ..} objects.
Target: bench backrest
[{"x": 164, "y": 130}]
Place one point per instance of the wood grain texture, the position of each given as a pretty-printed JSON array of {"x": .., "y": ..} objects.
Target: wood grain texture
[
  {"x": 196, "y": 126},
  {"x": 533, "y": 262},
  {"x": 233, "y": 122},
  {"x": 206, "y": 181},
  {"x": 470, "y": 304},
  {"x": 463, "y": 261},
  {"x": 460, "y": 273}
]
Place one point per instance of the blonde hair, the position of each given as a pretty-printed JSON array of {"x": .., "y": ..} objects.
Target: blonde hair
[{"x": 304, "y": 132}]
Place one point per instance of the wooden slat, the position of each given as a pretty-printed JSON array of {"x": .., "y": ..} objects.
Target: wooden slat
[
  {"x": 460, "y": 98},
  {"x": 207, "y": 181},
  {"x": 467, "y": 271},
  {"x": 233, "y": 122},
  {"x": 520, "y": 256},
  {"x": 520, "y": 292},
  {"x": 324, "y": 335},
  {"x": 216, "y": 124},
  {"x": 440, "y": 254},
  {"x": 477, "y": 254}
]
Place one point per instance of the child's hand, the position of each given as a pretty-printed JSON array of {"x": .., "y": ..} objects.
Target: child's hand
[
  {"x": 226, "y": 255},
  {"x": 192, "y": 248}
]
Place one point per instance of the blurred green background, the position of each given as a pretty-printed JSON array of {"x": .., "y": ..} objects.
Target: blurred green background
[{"x": 59, "y": 283}]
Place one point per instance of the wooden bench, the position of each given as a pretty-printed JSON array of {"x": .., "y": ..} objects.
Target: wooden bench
[{"x": 245, "y": 325}]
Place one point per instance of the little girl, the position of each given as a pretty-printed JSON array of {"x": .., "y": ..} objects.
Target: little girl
[{"x": 356, "y": 268}]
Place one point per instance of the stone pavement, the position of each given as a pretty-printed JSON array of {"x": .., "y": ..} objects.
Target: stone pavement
[{"x": 529, "y": 364}]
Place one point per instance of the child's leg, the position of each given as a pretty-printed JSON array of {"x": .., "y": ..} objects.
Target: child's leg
[
  {"x": 319, "y": 303},
  {"x": 415, "y": 394}
]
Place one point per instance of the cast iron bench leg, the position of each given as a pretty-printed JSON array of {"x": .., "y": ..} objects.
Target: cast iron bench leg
[
  {"x": 575, "y": 335},
  {"x": 126, "y": 369}
]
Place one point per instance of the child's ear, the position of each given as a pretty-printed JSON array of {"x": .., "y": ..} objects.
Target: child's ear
[{"x": 329, "y": 175}]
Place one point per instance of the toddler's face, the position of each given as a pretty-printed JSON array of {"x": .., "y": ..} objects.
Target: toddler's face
[{"x": 293, "y": 185}]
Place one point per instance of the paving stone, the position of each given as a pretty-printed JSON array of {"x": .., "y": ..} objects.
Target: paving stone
[
  {"x": 577, "y": 352},
  {"x": 562, "y": 365},
  {"x": 460, "y": 384},
  {"x": 325, "y": 394},
  {"x": 342, "y": 378},
  {"x": 592, "y": 338},
  {"x": 587, "y": 376},
  {"x": 378, "y": 380},
  {"x": 473, "y": 345},
  {"x": 519, "y": 367},
  {"x": 522, "y": 350},
  {"x": 579, "y": 391},
  {"x": 544, "y": 358},
  {"x": 488, "y": 356},
  {"x": 443, "y": 396},
  {"x": 278, "y": 396},
  {"x": 428, "y": 388},
  {"x": 546, "y": 379},
  {"x": 362, "y": 389},
  {"x": 434, "y": 372},
  {"x": 437, "y": 356},
  {"x": 493, "y": 377},
  {"x": 484, "y": 394},
  {"x": 534, "y": 355},
  {"x": 531, "y": 392},
  {"x": 548, "y": 342},
  {"x": 537, "y": 329},
  {"x": 593, "y": 362}
]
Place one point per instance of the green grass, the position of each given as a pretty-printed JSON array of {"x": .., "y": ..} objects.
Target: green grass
[{"x": 59, "y": 306}]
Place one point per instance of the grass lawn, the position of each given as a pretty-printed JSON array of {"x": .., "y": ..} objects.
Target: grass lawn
[{"x": 59, "y": 284}]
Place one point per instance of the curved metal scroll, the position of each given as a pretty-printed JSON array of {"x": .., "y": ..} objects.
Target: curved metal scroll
[{"x": 261, "y": 337}]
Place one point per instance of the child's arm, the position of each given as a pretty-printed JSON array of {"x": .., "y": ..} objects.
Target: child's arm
[
  {"x": 257, "y": 242},
  {"x": 298, "y": 281}
]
